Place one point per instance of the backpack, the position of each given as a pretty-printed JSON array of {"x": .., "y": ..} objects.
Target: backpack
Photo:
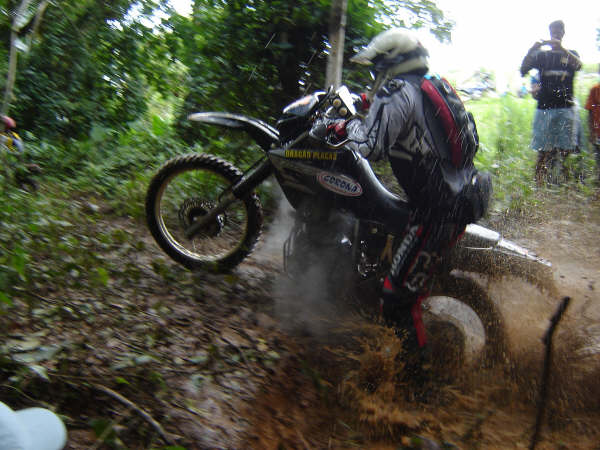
[{"x": 444, "y": 107}]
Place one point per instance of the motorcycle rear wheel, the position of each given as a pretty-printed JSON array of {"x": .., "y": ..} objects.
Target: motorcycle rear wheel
[
  {"x": 188, "y": 187},
  {"x": 457, "y": 306}
]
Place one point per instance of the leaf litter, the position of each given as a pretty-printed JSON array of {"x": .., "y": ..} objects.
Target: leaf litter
[{"x": 217, "y": 363}]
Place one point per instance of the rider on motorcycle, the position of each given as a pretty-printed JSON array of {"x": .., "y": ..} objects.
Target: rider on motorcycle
[{"x": 444, "y": 198}]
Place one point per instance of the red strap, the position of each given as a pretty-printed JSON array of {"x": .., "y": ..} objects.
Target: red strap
[
  {"x": 365, "y": 101},
  {"x": 340, "y": 128},
  {"x": 447, "y": 120},
  {"x": 388, "y": 287}
]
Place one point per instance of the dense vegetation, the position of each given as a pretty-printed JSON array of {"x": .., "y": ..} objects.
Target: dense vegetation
[{"x": 101, "y": 96}]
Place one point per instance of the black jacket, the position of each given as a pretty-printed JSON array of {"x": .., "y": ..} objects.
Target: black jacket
[{"x": 397, "y": 126}]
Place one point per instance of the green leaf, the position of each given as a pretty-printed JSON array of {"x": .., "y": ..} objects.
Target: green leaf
[
  {"x": 103, "y": 276},
  {"x": 121, "y": 380},
  {"x": 5, "y": 299},
  {"x": 99, "y": 133},
  {"x": 104, "y": 428},
  {"x": 159, "y": 127},
  {"x": 19, "y": 262}
]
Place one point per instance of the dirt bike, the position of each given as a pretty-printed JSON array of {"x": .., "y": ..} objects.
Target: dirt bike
[{"x": 204, "y": 213}]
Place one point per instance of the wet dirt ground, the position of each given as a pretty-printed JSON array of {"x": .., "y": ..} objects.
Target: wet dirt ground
[
  {"x": 364, "y": 405},
  {"x": 341, "y": 384},
  {"x": 242, "y": 360}
]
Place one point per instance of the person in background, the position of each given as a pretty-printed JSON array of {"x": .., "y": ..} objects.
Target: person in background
[
  {"x": 593, "y": 107},
  {"x": 554, "y": 123},
  {"x": 12, "y": 154},
  {"x": 535, "y": 85},
  {"x": 31, "y": 429},
  {"x": 8, "y": 137}
]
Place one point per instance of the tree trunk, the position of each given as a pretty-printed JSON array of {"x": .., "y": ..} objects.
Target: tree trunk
[
  {"x": 19, "y": 22},
  {"x": 337, "y": 33},
  {"x": 12, "y": 71}
]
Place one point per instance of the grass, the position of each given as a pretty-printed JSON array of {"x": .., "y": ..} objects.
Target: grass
[{"x": 504, "y": 126}]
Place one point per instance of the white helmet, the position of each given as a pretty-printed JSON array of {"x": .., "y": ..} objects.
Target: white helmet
[{"x": 393, "y": 52}]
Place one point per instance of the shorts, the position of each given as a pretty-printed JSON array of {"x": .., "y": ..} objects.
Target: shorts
[{"x": 555, "y": 128}]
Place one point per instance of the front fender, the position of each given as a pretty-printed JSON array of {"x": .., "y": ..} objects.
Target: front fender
[{"x": 263, "y": 133}]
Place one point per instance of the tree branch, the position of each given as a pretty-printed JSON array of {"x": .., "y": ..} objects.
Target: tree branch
[{"x": 166, "y": 437}]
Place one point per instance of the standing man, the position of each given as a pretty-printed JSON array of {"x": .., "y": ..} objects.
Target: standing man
[
  {"x": 593, "y": 107},
  {"x": 555, "y": 121}
]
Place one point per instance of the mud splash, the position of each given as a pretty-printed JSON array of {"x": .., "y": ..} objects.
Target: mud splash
[{"x": 349, "y": 388}]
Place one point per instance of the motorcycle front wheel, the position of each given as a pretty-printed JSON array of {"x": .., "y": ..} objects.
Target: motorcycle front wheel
[{"x": 187, "y": 188}]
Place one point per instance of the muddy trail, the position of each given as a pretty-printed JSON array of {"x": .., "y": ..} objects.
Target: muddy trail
[{"x": 159, "y": 356}]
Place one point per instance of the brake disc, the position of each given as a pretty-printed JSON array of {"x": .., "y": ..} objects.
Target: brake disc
[{"x": 194, "y": 208}]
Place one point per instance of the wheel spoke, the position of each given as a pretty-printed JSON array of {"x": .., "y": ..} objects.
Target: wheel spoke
[
  {"x": 186, "y": 197},
  {"x": 186, "y": 189}
]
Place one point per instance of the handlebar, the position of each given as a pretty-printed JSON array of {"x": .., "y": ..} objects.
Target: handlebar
[
  {"x": 337, "y": 146},
  {"x": 341, "y": 103},
  {"x": 332, "y": 106},
  {"x": 322, "y": 101}
]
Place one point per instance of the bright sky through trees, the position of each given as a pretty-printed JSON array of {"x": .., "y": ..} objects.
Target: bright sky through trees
[
  {"x": 183, "y": 7},
  {"x": 496, "y": 35}
]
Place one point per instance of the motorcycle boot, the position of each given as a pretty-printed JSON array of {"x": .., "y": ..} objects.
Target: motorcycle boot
[
  {"x": 403, "y": 314},
  {"x": 397, "y": 314}
]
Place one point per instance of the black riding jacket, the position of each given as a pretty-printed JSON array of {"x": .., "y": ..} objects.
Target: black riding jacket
[{"x": 396, "y": 126}]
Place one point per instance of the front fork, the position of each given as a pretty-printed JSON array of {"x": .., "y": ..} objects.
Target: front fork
[
  {"x": 252, "y": 178},
  {"x": 320, "y": 231}
]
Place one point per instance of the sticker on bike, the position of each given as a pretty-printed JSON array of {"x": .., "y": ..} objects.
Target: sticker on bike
[
  {"x": 340, "y": 184},
  {"x": 309, "y": 154}
]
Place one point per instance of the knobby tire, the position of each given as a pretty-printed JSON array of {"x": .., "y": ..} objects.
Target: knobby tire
[{"x": 214, "y": 165}]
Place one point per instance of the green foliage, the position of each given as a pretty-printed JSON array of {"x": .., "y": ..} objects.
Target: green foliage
[
  {"x": 43, "y": 239},
  {"x": 255, "y": 57},
  {"x": 109, "y": 156},
  {"x": 504, "y": 127},
  {"x": 414, "y": 14},
  {"x": 91, "y": 62},
  {"x": 15, "y": 208},
  {"x": 106, "y": 432}
]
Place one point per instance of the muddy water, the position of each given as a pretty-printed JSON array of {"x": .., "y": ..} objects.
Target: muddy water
[
  {"x": 569, "y": 238},
  {"x": 345, "y": 387}
]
